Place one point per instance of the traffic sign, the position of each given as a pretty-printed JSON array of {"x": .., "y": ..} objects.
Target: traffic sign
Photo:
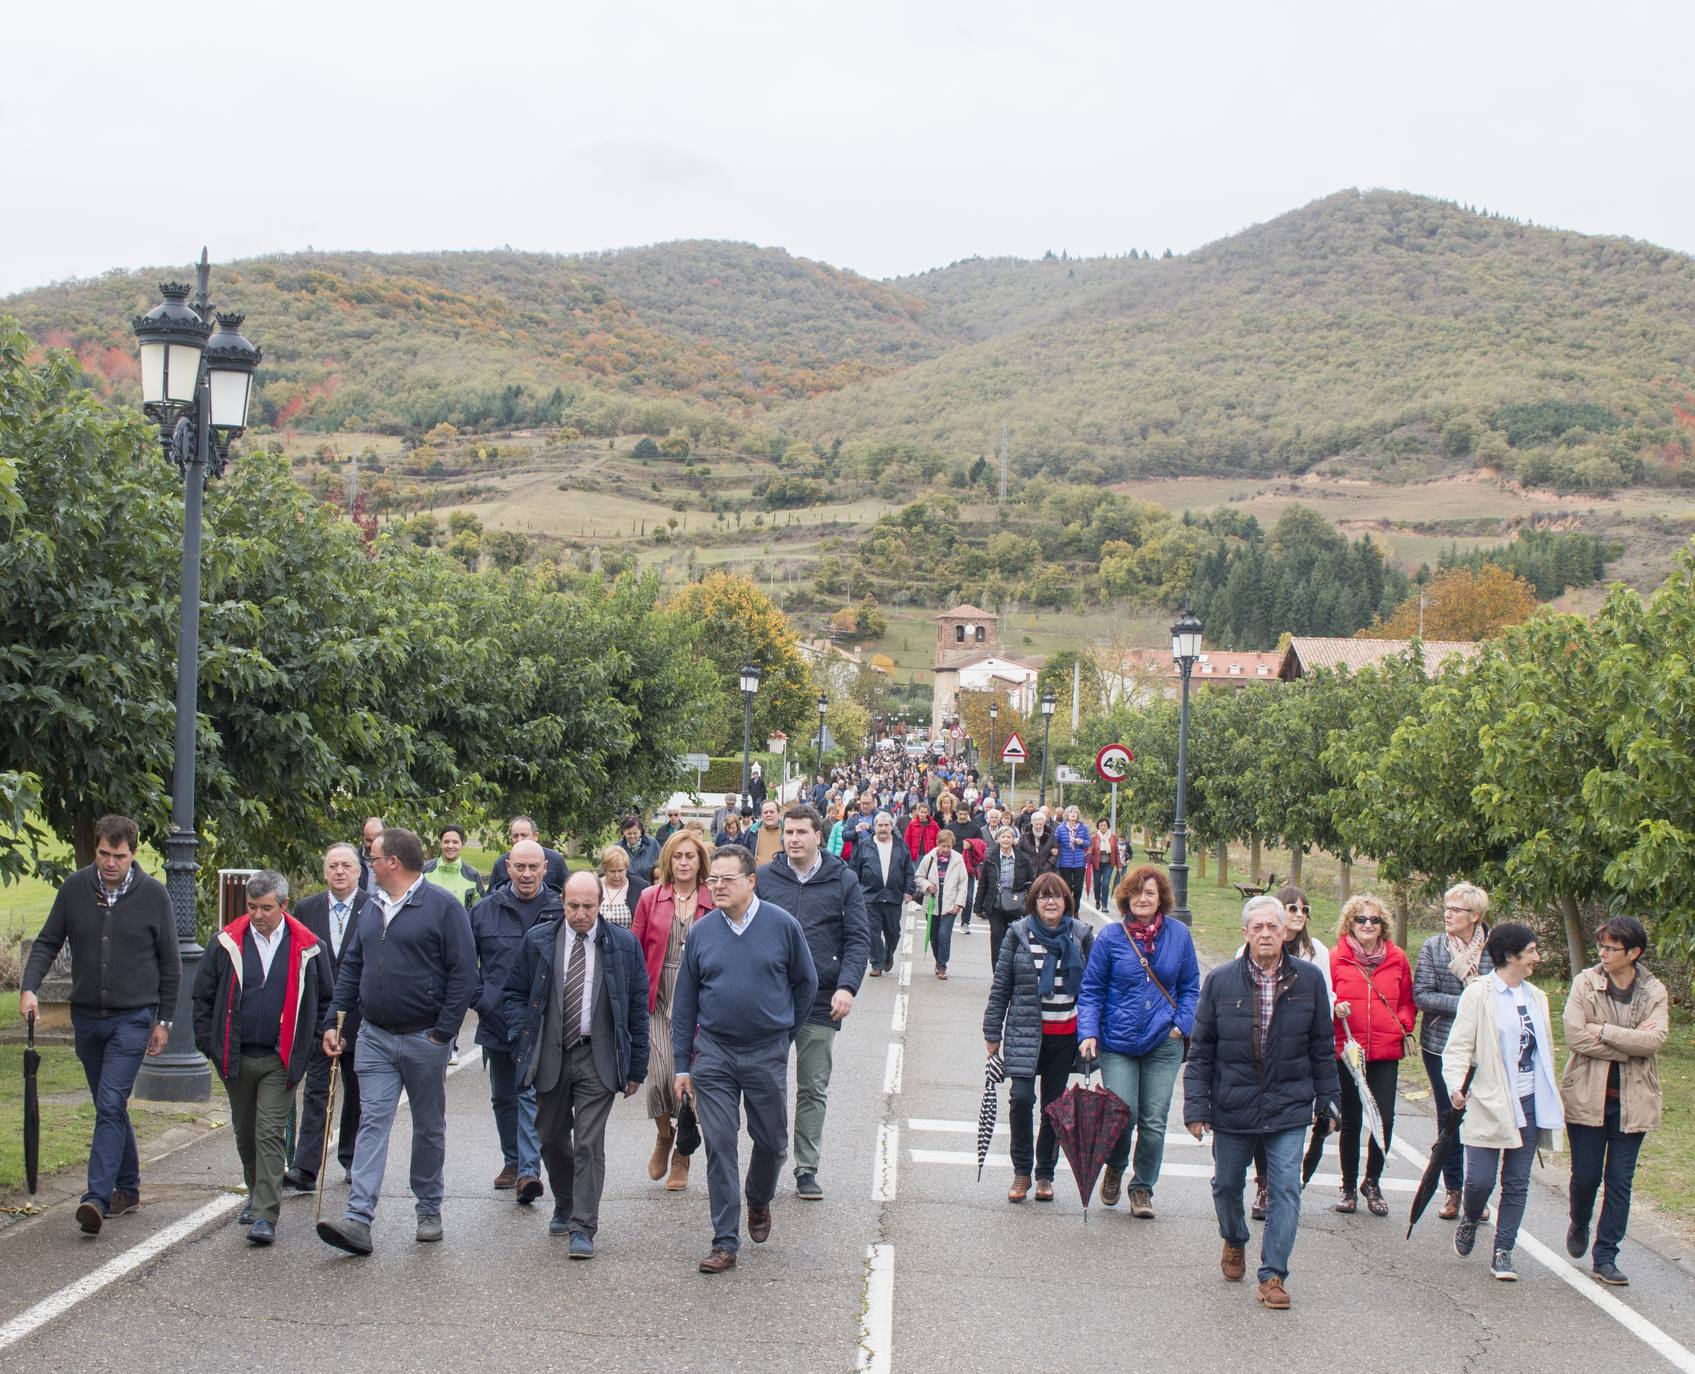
[
  {"x": 959, "y": 732},
  {"x": 1013, "y": 751},
  {"x": 696, "y": 763},
  {"x": 1112, "y": 764},
  {"x": 1066, "y": 773}
]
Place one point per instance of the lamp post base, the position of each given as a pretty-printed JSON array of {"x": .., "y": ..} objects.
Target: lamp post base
[{"x": 180, "y": 1073}]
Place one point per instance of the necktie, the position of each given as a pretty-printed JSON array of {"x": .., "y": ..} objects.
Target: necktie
[
  {"x": 573, "y": 1009},
  {"x": 339, "y": 914}
]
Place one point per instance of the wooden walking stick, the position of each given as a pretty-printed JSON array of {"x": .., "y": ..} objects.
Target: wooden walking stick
[{"x": 329, "y": 1118}]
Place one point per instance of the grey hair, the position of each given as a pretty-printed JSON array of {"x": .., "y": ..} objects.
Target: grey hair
[
  {"x": 882, "y": 816},
  {"x": 343, "y": 844},
  {"x": 267, "y": 882},
  {"x": 1265, "y": 899},
  {"x": 1006, "y": 830}
]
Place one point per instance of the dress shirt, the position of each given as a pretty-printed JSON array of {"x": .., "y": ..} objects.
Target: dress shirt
[
  {"x": 589, "y": 952},
  {"x": 739, "y": 926},
  {"x": 266, "y": 945},
  {"x": 341, "y": 912},
  {"x": 390, "y": 907}
]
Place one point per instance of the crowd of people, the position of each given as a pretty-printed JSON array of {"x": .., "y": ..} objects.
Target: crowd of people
[{"x": 689, "y": 964}]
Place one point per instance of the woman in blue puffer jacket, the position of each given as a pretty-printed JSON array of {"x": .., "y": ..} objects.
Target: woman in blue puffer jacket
[
  {"x": 1136, "y": 1008},
  {"x": 1073, "y": 837}
]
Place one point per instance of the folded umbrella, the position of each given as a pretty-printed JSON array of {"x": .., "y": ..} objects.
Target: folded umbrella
[
  {"x": 32, "y": 1114},
  {"x": 1315, "y": 1149},
  {"x": 688, "y": 1129},
  {"x": 1445, "y": 1139},
  {"x": 1353, "y": 1058},
  {"x": 1087, "y": 1123},
  {"x": 993, "y": 1072}
]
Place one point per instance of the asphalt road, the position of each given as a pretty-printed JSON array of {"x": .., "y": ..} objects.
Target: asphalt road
[{"x": 910, "y": 1263}]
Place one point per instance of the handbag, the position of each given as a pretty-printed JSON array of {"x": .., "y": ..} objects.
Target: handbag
[{"x": 1153, "y": 978}]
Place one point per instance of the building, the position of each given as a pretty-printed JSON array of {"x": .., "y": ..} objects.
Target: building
[
  {"x": 969, "y": 658},
  {"x": 1306, "y": 655},
  {"x": 1147, "y": 673}
]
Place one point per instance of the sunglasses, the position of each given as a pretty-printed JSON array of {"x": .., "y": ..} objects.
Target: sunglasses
[
  {"x": 1368, "y": 920},
  {"x": 1301, "y": 907}
]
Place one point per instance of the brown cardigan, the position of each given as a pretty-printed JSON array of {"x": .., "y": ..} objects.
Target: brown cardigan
[{"x": 1601, "y": 1032}]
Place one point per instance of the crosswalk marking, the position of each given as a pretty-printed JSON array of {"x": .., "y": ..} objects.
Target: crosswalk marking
[{"x": 1167, "y": 1170}]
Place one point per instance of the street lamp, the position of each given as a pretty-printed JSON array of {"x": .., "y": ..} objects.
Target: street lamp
[
  {"x": 750, "y": 685},
  {"x": 1186, "y": 651},
  {"x": 1047, "y": 729},
  {"x": 195, "y": 385},
  {"x": 994, "y": 715},
  {"x": 823, "y": 706}
]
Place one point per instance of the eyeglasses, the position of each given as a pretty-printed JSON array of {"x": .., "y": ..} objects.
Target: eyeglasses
[
  {"x": 1610, "y": 949},
  {"x": 1456, "y": 911},
  {"x": 719, "y": 879},
  {"x": 1050, "y": 897},
  {"x": 1368, "y": 920}
]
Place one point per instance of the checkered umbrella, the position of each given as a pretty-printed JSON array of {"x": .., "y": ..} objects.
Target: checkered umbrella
[
  {"x": 1088, "y": 1123},
  {"x": 993, "y": 1072}
]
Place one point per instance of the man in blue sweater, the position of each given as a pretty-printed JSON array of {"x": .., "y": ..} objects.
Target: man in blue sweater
[{"x": 744, "y": 990}]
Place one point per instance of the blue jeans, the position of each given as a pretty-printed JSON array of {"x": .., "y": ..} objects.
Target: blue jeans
[
  {"x": 111, "y": 1049},
  {"x": 1481, "y": 1166},
  {"x": 970, "y": 900},
  {"x": 1597, "y": 1153},
  {"x": 1145, "y": 1083},
  {"x": 1231, "y": 1155},
  {"x": 514, "y": 1114},
  {"x": 387, "y": 1063},
  {"x": 941, "y": 945}
]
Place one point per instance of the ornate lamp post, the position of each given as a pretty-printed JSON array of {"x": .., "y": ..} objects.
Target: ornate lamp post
[
  {"x": 1186, "y": 651},
  {"x": 196, "y": 388},
  {"x": 750, "y": 685},
  {"x": 994, "y": 716},
  {"x": 823, "y": 706},
  {"x": 1047, "y": 729}
]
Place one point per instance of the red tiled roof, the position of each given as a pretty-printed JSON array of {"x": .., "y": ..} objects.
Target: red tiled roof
[{"x": 1307, "y": 654}]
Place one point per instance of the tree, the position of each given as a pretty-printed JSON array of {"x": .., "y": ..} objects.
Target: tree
[
  {"x": 645, "y": 449},
  {"x": 1462, "y": 604}
]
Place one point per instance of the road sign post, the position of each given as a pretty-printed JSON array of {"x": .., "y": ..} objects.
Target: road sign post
[{"x": 1014, "y": 752}]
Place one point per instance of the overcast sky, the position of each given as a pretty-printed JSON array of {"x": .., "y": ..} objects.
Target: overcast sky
[{"x": 882, "y": 137}]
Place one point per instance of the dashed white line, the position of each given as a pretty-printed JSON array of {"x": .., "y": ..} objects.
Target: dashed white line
[
  {"x": 1167, "y": 1170},
  {"x": 906, "y": 974},
  {"x": 891, "y": 1070},
  {"x": 877, "y": 1325},
  {"x": 897, "y": 1018}
]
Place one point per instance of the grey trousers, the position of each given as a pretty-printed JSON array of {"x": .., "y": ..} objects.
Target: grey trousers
[
  {"x": 726, "y": 1077},
  {"x": 387, "y": 1064},
  {"x": 571, "y": 1121}
]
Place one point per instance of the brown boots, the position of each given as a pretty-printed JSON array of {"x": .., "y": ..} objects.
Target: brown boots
[
  {"x": 661, "y": 1155},
  {"x": 679, "y": 1176}
]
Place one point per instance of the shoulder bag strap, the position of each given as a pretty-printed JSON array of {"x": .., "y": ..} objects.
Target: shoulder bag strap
[{"x": 1148, "y": 969}]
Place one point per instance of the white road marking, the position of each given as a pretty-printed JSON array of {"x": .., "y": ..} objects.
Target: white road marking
[
  {"x": 1167, "y": 1170},
  {"x": 906, "y": 974},
  {"x": 897, "y": 1018},
  {"x": 877, "y": 1325},
  {"x": 924, "y": 1123},
  {"x": 1575, "y": 1279},
  {"x": 906, "y": 943},
  {"x": 891, "y": 1069},
  {"x": 884, "y": 1163}
]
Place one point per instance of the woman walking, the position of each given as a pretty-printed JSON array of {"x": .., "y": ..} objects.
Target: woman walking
[
  {"x": 941, "y": 875},
  {"x": 1371, "y": 982},
  {"x": 1073, "y": 837},
  {"x": 1032, "y": 1011},
  {"x": 1137, "y": 1007},
  {"x": 619, "y": 892},
  {"x": 921, "y": 833},
  {"x": 1501, "y": 1029},
  {"x": 1616, "y": 1022},
  {"x": 664, "y": 915},
  {"x": 1448, "y": 964},
  {"x": 1006, "y": 878}
]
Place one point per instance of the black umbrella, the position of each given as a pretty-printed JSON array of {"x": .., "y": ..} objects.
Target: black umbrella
[
  {"x": 1445, "y": 1139},
  {"x": 32, "y": 1114},
  {"x": 993, "y": 1072},
  {"x": 1315, "y": 1149},
  {"x": 688, "y": 1128}
]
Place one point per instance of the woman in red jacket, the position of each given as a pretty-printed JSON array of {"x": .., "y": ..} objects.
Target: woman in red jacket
[
  {"x": 1372, "y": 984},
  {"x": 921, "y": 833}
]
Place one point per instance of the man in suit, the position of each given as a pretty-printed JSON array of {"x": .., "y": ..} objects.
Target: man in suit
[
  {"x": 576, "y": 1000},
  {"x": 331, "y": 916},
  {"x": 522, "y": 828},
  {"x": 886, "y": 876}
]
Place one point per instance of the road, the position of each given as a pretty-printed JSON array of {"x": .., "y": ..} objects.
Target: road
[{"x": 910, "y": 1263}]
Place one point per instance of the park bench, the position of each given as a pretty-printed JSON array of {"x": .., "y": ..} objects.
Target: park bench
[{"x": 1256, "y": 889}]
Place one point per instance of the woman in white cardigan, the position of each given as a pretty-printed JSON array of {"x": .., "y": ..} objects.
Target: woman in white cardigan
[
  {"x": 1502, "y": 1037},
  {"x": 941, "y": 874}
]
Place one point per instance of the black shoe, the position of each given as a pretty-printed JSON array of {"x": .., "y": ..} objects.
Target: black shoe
[
  {"x": 1577, "y": 1240},
  {"x": 1501, "y": 1266},
  {"x": 90, "y": 1216},
  {"x": 806, "y": 1185},
  {"x": 1609, "y": 1273},
  {"x": 1465, "y": 1236},
  {"x": 346, "y": 1234},
  {"x": 262, "y": 1232},
  {"x": 301, "y": 1183},
  {"x": 559, "y": 1224},
  {"x": 245, "y": 1216}
]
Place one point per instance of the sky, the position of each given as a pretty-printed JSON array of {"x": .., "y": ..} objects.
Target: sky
[{"x": 883, "y": 137}]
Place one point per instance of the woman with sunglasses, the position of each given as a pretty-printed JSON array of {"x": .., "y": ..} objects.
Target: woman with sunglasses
[{"x": 1371, "y": 982}]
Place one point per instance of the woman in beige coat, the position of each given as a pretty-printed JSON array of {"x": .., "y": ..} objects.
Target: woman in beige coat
[
  {"x": 1617, "y": 1018},
  {"x": 1501, "y": 1030},
  {"x": 941, "y": 875}
]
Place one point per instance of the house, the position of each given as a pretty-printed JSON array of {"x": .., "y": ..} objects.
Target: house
[
  {"x": 969, "y": 658},
  {"x": 1309, "y": 654},
  {"x": 1146, "y": 673}
]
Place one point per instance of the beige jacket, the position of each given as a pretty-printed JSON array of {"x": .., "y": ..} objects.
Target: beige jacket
[
  {"x": 951, "y": 898},
  {"x": 1491, "y": 1122},
  {"x": 1601, "y": 1032}
]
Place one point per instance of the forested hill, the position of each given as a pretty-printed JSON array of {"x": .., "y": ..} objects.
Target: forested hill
[{"x": 1386, "y": 330}]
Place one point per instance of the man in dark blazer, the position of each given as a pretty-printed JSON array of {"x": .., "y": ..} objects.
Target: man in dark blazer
[
  {"x": 521, "y": 828},
  {"x": 575, "y": 1004},
  {"x": 888, "y": 879},
  {"x": 331, "y": 916}
]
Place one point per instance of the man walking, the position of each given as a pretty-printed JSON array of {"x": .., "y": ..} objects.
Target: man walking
[
  {"x": 673, "y": 823},
  {"x": 1262, "y": 1068},
  {"x": 330, "y": 915},
  {"x": 498, "y": 925},
  {"x": 521, "y": 828},
  {"x": 257, "y": 1000},
  {"x": 822, "y": 894},
  {"x": 367, "y": 836},
  {"x": 767, "y": 842},
  {"x": 576, "y": 1001},
  {"x": 887, "y": 880},
  {"x": 744, "y": 989},
  {"x": 642, "y": 848},
  {"x": 124, "y": 974},
  {"x": 411, "y": 973}
]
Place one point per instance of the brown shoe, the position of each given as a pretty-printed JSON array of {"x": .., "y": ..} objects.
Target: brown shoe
[
  {"x": 1373, "y": 1196},
  {"x": 661, "y": 1156},
  {"x": 1020, "y": 1188},
  {"x": 1233, "y": 1263},
  {"x": 529, "y": 1189},
  {"x": 718, "y": 1261},
  {"x": 89, "y": 1217},
  {"x": 1142, "y": 1204},
  {"x": 942, "y": 973},
  {"x": 1451, "y": 1205},
  {"x": 1112, "y": 1180},
  {"x": 876, "y": 971},
  {"x": 1262, "y": 1201},
  {"x": 1347, "y": 1202},
  {"x": 679, "y": 1176},
  {"x": 506, "y": 1178},
  {"x": 1044, "y": 1190},
  {"x": 1273, "y": 1294},
  {"x": 123, "y": 1202},
  {"x": 758, "y": 1224}
]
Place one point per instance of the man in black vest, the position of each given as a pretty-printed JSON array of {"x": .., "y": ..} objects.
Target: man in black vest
[{"x": 330, "y": 916}]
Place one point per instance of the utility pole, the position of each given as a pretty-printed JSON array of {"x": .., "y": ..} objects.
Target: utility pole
[
  {"x": 1076, "y": 691},
  {"x": 1002, "y": 499}
]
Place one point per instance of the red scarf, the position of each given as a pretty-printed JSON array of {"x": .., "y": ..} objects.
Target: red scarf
[{"x": 1145, "y": 935}]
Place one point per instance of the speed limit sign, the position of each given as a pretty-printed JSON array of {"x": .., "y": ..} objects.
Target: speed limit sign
[{"x": 1112, "y": 764}]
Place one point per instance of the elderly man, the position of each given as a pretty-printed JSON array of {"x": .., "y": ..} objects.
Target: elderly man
[
  {"x": 124, "y": 975},
  {"x": 744, "y": 990},
  {"x": 257, "y": 998},
  {"x": 673, "y": 823},
  {"x": 1262, "y": 1068},
  {"x": 887, "y": 880},
  {"x": 521, "y": 828},
  {"x": 411, "y": 974},
  {"x": 498, "y": 924},
  {"x": 330, "y": 915},
  {"x": 576, "y": 1002},
  {"x": 767, "y": 841}
]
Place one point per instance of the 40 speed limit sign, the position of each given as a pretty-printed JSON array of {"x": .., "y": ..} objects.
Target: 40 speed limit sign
[{"x": 1112, "y": 764}]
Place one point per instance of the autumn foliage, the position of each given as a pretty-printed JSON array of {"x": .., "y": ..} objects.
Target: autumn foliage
[{"x": 1462, "y": 604}]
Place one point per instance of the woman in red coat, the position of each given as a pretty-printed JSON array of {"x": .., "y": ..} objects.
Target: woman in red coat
[
  {"x": 1374, "y": 1004},
  {"x": 921, "y": 833},
  {"x": 664, "y": 913}
]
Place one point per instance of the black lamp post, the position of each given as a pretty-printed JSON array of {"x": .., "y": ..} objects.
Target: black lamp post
[
  {"x": 196, "y": 388},
  {"x": 750, "y": 685},
  {"x": 1186, "y": 651},
  {"x": 994, "y": 716},
  {"x": 1047, "y": 729},
  {"x": 823, "y": 706}
]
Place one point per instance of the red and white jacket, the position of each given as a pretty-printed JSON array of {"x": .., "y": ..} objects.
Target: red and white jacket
[{"x": 217, "y": 998}]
